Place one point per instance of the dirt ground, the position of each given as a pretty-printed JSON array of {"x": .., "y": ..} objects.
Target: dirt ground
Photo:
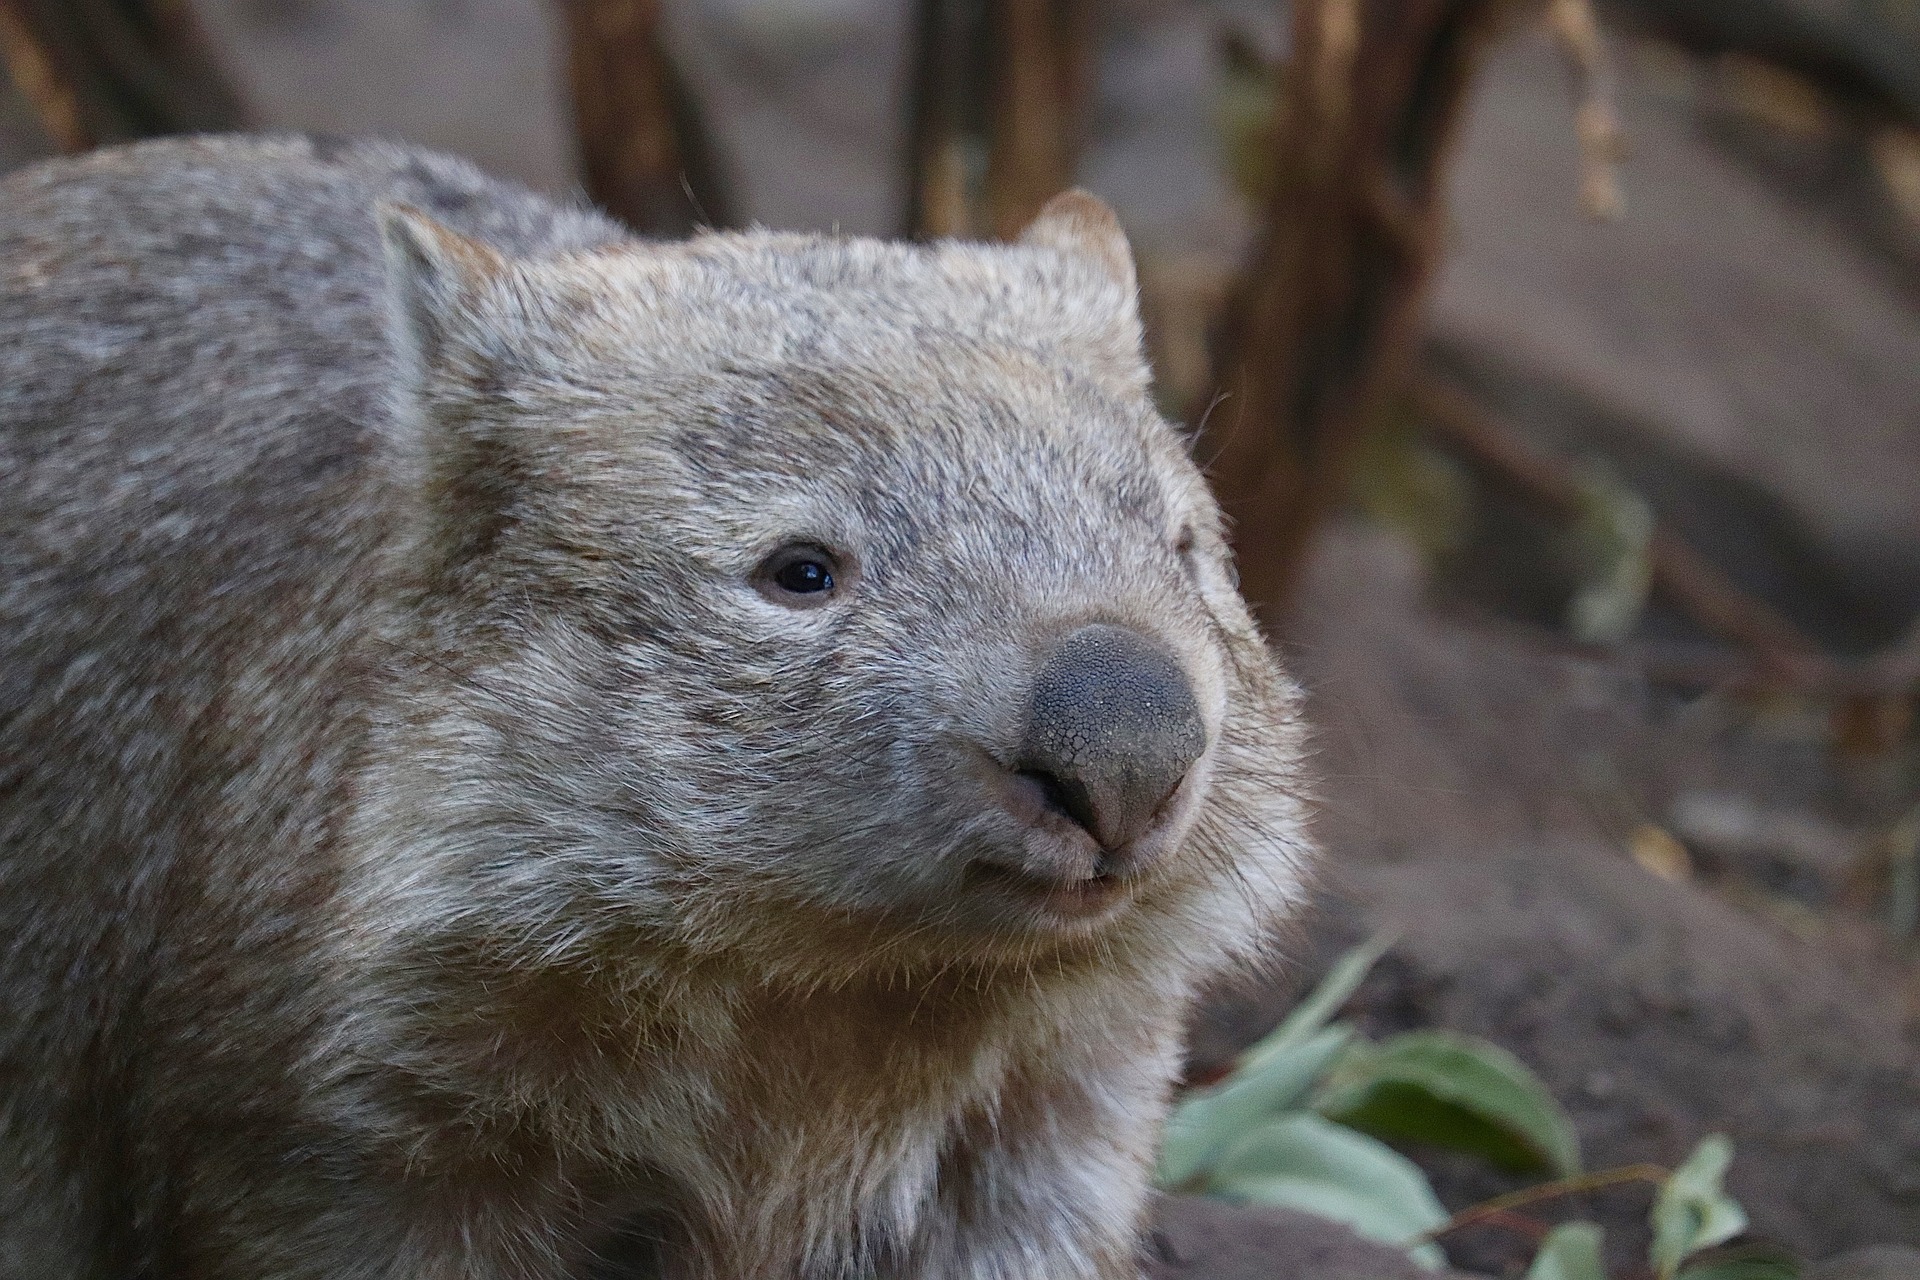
[{"x": 1743, "y": 346}]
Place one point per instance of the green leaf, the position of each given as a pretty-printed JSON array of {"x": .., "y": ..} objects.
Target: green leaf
[
  {"x": 1206, "y": 1122},
  {"x": 1317, "y": 1010},
  {"x": 1275, "y": 1074},
  {"x": 1691, "y": 1211},
  {"x": 1399, "y": 478},
  {"x": 1611, "y": 540},
  {"x": 1571, "y": 1251},
  {"x": 1454, "y": 1091},
  {"x": 1301, "y": 1161}
]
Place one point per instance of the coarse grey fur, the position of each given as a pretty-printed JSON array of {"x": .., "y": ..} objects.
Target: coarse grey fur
[{"x": 427, "y": 846}]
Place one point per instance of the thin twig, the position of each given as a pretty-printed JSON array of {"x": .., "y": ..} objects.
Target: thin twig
[
  {"x": 1596, "y": 120},
  {"x": 1740, "y": 674}
]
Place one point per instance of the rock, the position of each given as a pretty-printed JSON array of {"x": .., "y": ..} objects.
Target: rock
[
  {"x": 1877, "y": 1262},
  {"x": 1200, "y": 1239}
]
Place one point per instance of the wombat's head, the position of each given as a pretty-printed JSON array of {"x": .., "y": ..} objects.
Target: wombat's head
[{"x": 826, "y": 602}]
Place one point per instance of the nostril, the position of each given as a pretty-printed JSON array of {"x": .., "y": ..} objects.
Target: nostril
[{"x": 1063, "y": 796}]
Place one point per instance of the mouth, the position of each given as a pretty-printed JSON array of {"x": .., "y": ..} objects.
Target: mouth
[{"x": 1067, "y": 900}]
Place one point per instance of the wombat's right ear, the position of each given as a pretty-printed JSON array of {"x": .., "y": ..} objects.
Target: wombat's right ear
[
  {"x": 433, "y": 273},
  {"x": 1079, "y": 226},
  {"x": 1080, "y": 223}
]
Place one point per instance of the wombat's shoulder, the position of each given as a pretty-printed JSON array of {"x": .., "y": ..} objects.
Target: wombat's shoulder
[{"x": 192, "y": 320}]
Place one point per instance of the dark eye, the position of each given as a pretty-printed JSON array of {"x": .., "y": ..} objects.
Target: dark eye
[
  {"x": 804, "y": 577},
  {"x": 1183, "y": 545},
  {"x": 800, "y": 576}
]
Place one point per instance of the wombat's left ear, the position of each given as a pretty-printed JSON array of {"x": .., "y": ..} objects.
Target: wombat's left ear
[
  {"x": 433, "y": 274},
  {"x": 466, "y": 469},
  {"x": 1080, "y": 223}
]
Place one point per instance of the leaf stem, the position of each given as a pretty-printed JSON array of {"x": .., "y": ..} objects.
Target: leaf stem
[
  {"x": 1499, "y": 1205},
  {"x": 1518, "y": 1223}
]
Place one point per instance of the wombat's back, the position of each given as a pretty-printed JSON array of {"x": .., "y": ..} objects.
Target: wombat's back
[{"x": 193, "y": 421}]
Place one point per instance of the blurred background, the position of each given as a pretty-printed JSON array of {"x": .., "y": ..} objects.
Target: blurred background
[{"x": 1559, "y": 365}]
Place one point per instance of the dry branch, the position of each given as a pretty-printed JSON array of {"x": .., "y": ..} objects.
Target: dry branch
[
  {"x": 945, "y": 106},
  {"x": 36, "y": 74},
  {"x": 1004, "y": 78},
  {"x": 1040, "y": 74},
  {"x": 644, "y": 148},
  {"x": 1857, "y": 54},
  {"x": 1875, "y": 700},
  {"x": 98, "y": 71},
  {"x": 1689, "y": 581},
  {"x": 1321, "y": 329}
]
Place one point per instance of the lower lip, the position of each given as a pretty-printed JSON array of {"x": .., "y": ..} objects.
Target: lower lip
[{"x": 1064, "y": 899}]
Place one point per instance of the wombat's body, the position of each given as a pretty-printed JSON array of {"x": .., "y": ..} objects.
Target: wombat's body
[{"x": 447, "y": 827}]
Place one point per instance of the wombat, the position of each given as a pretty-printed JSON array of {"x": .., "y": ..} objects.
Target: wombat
[{"x": 526, "y": 751}]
